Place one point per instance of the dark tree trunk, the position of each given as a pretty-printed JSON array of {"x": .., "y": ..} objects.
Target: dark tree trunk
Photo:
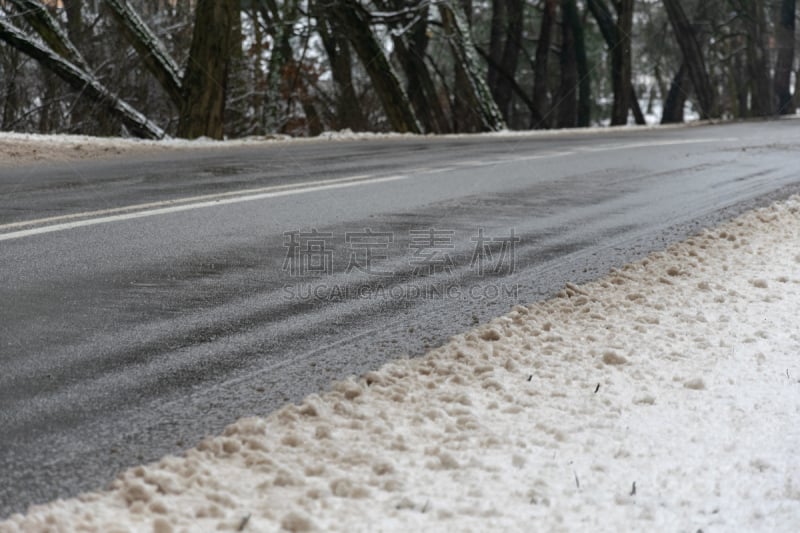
[
  {"x": 47, "y": 110},
  {"x": 692, "y": 58},
  {"x": 470, "y": 83},
  {"x": 74, "y": 21},
  {"x": 617, "y": 37},
  {"x": 75, "y": 32},
  {"x": 761, "y": 101},
  {"x": 541, "y": 98},
  {"x": 498, "y": 27},
  {"x": 519, "y": 91},
  {"x": 11, "y": 103},
  {"x": 352, "y": 19},
  {"x": 206, "y": 77},
  {"x": 796, "y": 88},
  {"x": 784, "y": 64},
  {"x": 504, "y": 49},
  {"x": 741, "y": 86},
  {"x": 348, "y": 108},
  {"x": 410, "y": 48},
  {"x": 621, "y": 64},
  {"x": 312, "y": 117},
  {"x": 418, "y": 46},
  {"x": 636, "y": 109},
  {"x": 466, "y": 117},
  {"x": 420, "y": 87},
  {"x": 567, "y": 102},
  {"x": 510, "y": 58},
  {"x": 675, "y": 101},
  {"x": 573, "y": 19},
  {"x": 281, "y": 58}
]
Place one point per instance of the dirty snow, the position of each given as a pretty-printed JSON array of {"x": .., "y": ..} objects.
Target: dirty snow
[
  {"x": 664, "y": 397},
  {"x": 26, "y": 148}
]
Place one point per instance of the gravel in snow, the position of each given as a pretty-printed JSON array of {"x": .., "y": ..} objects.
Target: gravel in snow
[{"x": 664, "y": 397}]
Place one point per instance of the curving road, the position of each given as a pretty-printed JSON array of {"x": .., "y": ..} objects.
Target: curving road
[{"x": 146, "y": 303}]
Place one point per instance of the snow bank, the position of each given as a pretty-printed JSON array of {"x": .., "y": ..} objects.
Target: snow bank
[
  {"x": 25, "y": 148},
  {"x": 665, "y": 397}
]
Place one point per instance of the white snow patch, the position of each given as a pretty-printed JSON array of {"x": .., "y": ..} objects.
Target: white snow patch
[{"x": 626, "y": 404}]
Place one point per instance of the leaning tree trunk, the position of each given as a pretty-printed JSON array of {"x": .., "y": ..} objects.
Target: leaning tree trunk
[
  {"x": 464, "y": 53},
  {"x": 410, "y": 47},
  {"x": 420, "y": 86},
  {"x": 85, "y": 83},
  {"x": 692, "y": 58},
  {"x": 150, "y": 49},
  {"x": 541, "y": 100},
  {"x": 50, "y": 31},
  {"x": 348, "y": 113},
  {"x": 206, "y": 76},
  {"x": 784, "y": 64},
  {"x": 352, "y": 19}
]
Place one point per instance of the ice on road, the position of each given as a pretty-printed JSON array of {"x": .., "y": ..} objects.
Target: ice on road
[{"x": 664, "y": 397}]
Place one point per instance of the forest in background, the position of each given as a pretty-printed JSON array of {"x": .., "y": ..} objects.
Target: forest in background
[{"x": 236, "y": 68}]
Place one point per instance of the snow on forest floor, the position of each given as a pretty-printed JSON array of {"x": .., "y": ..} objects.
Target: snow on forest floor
[{"x": 664, "y": 397}]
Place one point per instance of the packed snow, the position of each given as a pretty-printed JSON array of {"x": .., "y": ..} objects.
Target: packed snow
[{"x": 664, "y": 397}]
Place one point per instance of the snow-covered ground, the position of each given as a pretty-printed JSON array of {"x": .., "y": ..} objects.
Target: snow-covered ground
[{"x": 665, "y": 397}]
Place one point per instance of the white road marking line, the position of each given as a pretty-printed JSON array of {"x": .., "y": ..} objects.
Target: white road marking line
[
  {"x": 177, "y": 201},
  {"x": 195, "y": 205},
  {"x": 91, "y": 218},
  {"x": 648, "y": 144},
  {"x": 542, "y": 156},
  {"x": 440, "y": 170},
  {"x": 474, "y": 163}
]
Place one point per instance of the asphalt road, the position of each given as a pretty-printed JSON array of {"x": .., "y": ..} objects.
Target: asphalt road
[{"x": 146, "y": 303}]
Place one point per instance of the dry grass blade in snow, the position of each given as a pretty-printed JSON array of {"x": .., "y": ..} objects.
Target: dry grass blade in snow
[{"x": 664, "y": 397}]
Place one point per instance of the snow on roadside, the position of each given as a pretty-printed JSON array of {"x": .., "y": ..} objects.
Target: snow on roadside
[
  {"x": 665, "y": 397},
  {"x": 26, "y": 148}
]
